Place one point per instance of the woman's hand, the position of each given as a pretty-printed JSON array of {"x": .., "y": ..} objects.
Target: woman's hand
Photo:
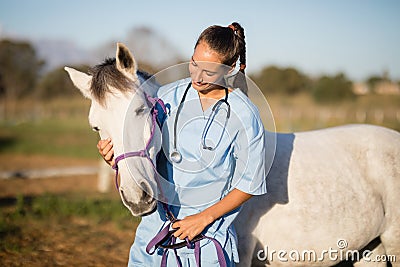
[
  {"x": 106, "y": 150},
  {"x": 191, "y": 225}
]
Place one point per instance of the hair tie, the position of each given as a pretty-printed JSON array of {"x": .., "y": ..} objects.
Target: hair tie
[{"x": 233, "y": 28}]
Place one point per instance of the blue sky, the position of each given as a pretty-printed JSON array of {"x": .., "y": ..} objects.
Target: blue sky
[{"x": 358, "y": 37}]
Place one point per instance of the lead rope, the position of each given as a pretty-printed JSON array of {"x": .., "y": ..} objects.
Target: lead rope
[{"x": 165, "y": 239}]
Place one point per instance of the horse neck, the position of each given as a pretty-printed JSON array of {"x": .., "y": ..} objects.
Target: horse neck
[{"x": 147, "y": 83}]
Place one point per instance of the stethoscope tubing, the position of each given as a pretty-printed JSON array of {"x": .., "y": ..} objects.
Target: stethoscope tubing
[{"x": 175, "y": 155}]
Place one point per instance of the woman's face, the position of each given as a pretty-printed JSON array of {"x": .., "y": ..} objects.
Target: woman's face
[{"x": 206, "y": 68}]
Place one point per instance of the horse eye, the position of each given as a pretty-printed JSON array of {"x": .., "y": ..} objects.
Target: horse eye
[
  {"x": 95, "y": 128},
  {"x": 140, "y": 110}
]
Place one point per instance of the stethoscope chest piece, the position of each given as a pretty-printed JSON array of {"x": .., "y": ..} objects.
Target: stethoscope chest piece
[{"x": 175, "y": 156}]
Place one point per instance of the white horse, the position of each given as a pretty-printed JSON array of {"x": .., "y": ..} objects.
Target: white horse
[{"x": 331, "y": 192}]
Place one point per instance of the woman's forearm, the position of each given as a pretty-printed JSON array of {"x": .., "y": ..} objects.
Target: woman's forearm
[
  {"x": 231, "y": 201},
  {"x": 194, "y": 224}
]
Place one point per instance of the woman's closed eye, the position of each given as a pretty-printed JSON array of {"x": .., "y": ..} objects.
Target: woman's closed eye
[{"x": 210, "y": 73}]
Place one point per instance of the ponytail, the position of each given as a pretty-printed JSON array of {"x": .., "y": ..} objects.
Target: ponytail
[
  {"x": 239, "y": 32},
  {"x": 240, "y": 78}
]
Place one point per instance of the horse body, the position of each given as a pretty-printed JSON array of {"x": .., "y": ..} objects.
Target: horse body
[{"x": 324, "y": 186}]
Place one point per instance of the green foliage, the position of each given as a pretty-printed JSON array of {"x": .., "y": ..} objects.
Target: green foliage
[
  {"x": 373, "y": 81},
  {"x": 19, "y": 69},
  {"x": 333, "y": 89},
  {"x": 67, "y": 137},
  {"x": 8, "y": 229},
  {"x": 281, "y": 80},
  {"x": 63, "y": 206}
]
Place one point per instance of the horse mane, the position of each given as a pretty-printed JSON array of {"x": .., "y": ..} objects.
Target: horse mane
[{"x": 106, "y": 74}]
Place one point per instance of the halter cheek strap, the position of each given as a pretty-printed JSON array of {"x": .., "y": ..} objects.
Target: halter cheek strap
[
  {"x": 143, "y": 153},
  {"x": 165, "y": 238}
]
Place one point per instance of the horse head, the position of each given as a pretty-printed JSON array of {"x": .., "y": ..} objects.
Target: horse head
[{"x": 118, "y": 101}]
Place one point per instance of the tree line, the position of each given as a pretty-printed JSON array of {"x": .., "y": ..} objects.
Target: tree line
[{"x": 21, "y": 76}]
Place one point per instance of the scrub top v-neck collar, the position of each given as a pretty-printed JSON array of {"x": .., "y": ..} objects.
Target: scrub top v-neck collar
[{"x": 193, "y": 94}]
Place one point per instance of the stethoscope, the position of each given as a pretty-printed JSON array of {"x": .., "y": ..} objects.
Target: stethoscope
[{"x": 175, "y": 155}]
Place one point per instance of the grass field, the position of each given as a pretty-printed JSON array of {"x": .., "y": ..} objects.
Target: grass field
[
  {"x": 70, "y": 137},
  {"x": 301, "y": 113},
  {"x": 63, "y": 221},
  {"x": 60, "y": 127},
  {"x": 96, "y": 208},
  {"x": 65, "y": 230},
  {"x": 60, "y": 221}
]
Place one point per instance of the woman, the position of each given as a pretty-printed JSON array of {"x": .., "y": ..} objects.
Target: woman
[{"x": 220, "y": 164}]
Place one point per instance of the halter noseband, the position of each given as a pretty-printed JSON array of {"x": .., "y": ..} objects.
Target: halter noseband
[
  {"x": 143, "y": 153},
  {"x": 165, "y": 239}
]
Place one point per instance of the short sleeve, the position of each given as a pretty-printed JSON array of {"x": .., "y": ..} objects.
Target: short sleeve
[{"x": 249, "y": 153}]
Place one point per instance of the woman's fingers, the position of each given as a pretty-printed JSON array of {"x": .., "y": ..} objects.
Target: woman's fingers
[
  {"x": 182, "y": 233},
  {"x": 178, "y": 233},
  {"x": 103, "y": 144},
  {"x": 176, "y": 225},
  {"x": 106, "y": 150},
  {"x": 109, "y": 155}
]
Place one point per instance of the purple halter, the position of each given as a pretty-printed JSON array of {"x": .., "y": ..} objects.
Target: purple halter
[
  {"x": 165, "y": 239},
  {"x": 143, "y": 153}
]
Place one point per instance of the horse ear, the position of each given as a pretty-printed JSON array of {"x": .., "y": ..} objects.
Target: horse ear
[
  {"x": 80, "y": 80},
  {"x": 125, "y": 61}
]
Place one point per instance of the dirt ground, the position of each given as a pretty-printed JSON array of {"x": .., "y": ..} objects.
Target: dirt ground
[
  {"x": 12, "y": 187},
  {"x": 78, "y": 242}
]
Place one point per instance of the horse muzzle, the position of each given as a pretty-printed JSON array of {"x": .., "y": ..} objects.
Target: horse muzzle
[{"x": 144, "y": 205}]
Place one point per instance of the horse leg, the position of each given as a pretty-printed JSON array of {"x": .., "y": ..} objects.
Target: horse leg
[
  {"x": 248, "y": 244},
  {"x": 370, "y": 259},
  {"x": 391, "y": 235},
  {"x": 389, "y": 172},
  {"x": 104, "y": 178},
  {"x": 391, "y": 242},
  {"x": 258, "y": 256}
]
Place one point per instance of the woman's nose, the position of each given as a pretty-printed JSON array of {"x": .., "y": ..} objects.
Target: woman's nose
[{"x": 198, "y": 76}]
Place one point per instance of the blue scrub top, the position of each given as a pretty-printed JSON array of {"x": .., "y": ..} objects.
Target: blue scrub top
[{"x": 203, "y": 177}]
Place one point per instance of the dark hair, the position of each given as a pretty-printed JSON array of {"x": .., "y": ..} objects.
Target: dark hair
[{"x": 226, "y": 41}]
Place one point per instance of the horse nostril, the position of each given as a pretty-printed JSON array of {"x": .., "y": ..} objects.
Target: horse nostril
[
  {"x": 147, "y": 192},
  {"x": 129, "y": 203}
]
